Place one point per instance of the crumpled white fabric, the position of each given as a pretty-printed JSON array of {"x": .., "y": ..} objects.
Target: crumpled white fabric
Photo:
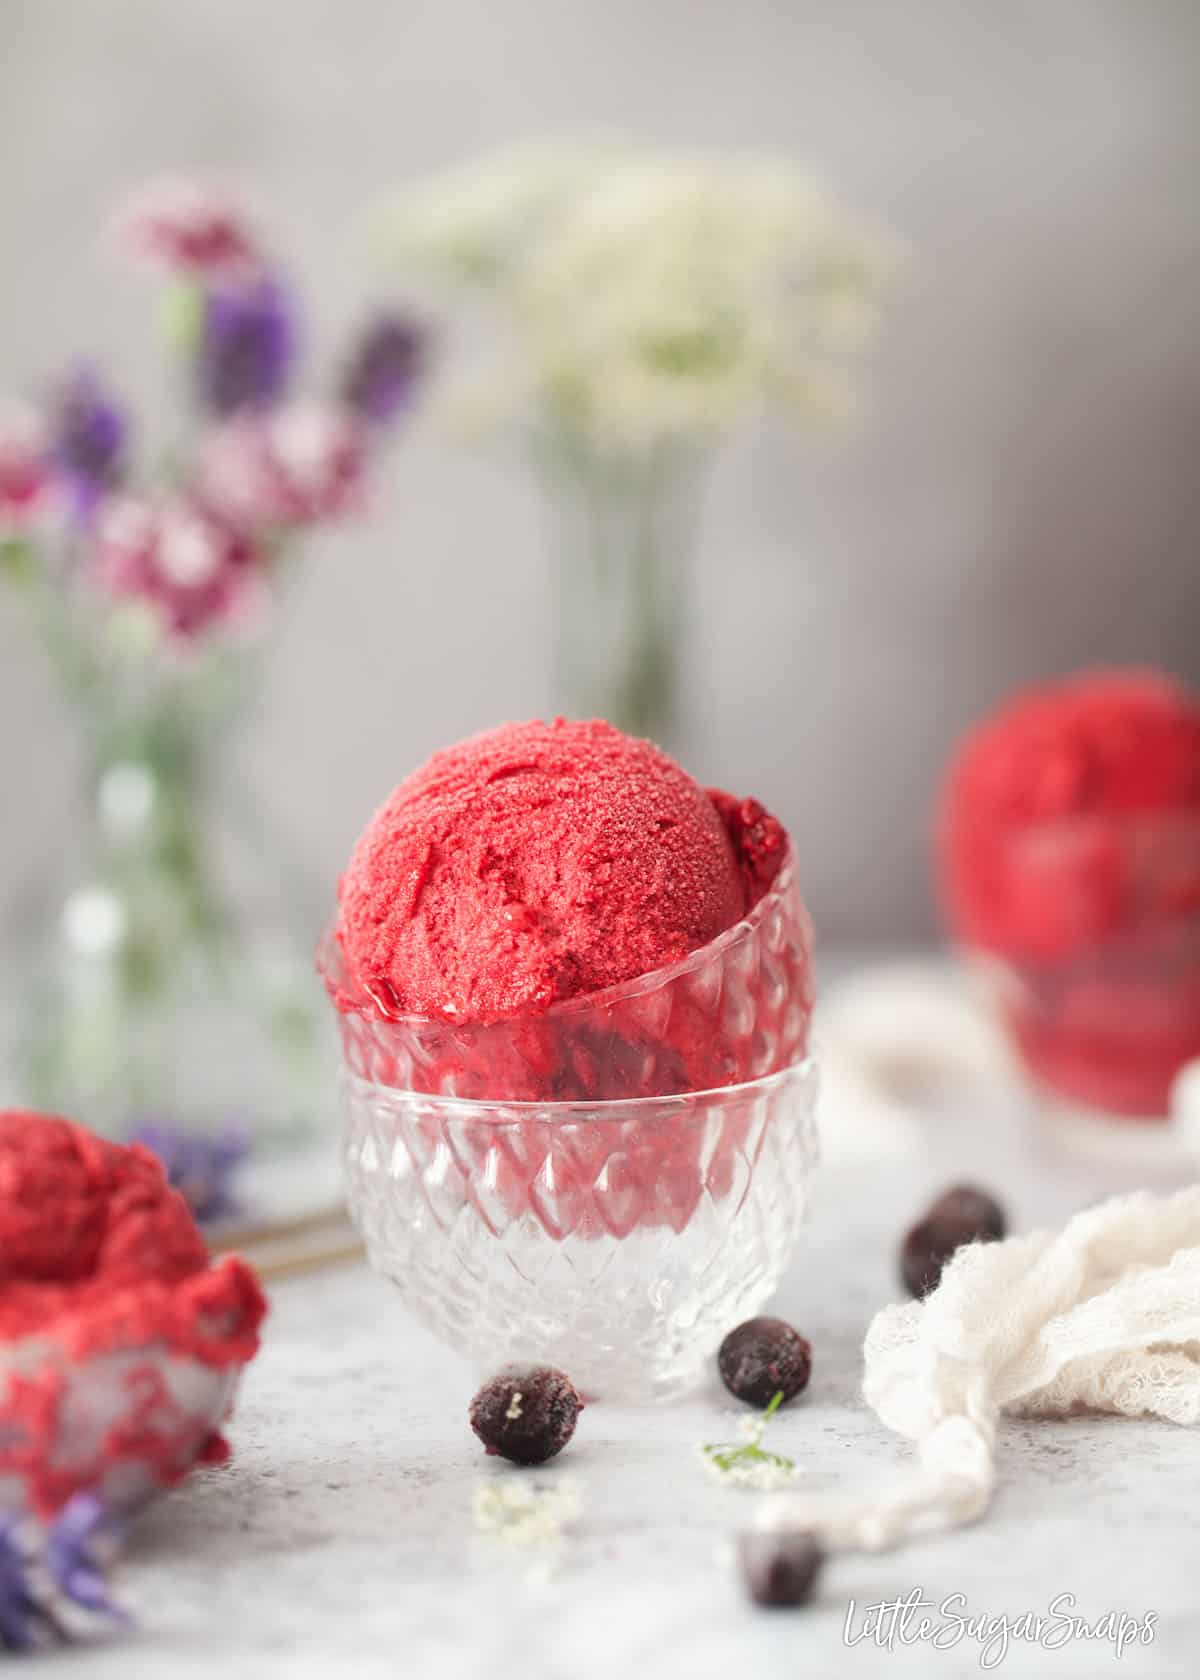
[{"x": 1103, "y": 1315}]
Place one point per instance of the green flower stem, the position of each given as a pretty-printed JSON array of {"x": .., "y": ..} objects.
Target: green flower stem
[
  {"x": 623, "y": 527},
  {"x": 144, "y": 949},
  {"x": 730, "y": 1456}
]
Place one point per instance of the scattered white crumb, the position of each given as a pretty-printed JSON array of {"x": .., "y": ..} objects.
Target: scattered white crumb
[
  {"x": 522, "y": 1513},
  {"x": 544, "y": 1567},
  {"x": 514, "y": 1406}
]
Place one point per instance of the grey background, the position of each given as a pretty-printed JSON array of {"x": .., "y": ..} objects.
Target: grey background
[{"x": 1025, "y": 498}]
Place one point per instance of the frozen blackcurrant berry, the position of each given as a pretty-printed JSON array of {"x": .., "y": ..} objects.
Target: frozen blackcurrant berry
[
  {"x": 922, "y": 1258},
  {"x": 762, "y": 1358},
  {"x": 971, "y": 1210},
  {"x": 961, "y": 1215},
  {"x": 780, "y": 1569},
  {"x": 526, "y": 1413}
]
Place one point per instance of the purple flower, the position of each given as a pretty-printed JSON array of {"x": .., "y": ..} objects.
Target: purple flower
[
  {"x": 90, "y": 432},
  {"x": 45, "y": 1572},
  {"x": 384, "y": 369},
  {"x": 247, "y": 348},
  {"x": 200, "y": 1165},
  {"x": 80, "y": 1545},
  {"x": 22, "y": 1621}
]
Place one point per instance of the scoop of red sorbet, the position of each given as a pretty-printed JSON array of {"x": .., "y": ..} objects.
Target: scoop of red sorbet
[
  {"x": 1071, "y": 853},
  {"x": 80, "y": 1219},
  {"x": 1051, "y": 838},
  {"x": 542, "y": 861}
]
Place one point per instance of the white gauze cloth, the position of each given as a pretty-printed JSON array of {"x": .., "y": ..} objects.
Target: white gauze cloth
[{"x": 1102, "y": 1316}]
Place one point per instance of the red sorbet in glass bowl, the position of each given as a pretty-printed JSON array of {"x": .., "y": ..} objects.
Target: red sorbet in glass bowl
[
  {"x": 1069, "y": 851},
  {"x": 574, "y": 992}
]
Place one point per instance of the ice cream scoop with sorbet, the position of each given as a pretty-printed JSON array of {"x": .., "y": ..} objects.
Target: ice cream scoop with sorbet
[
  {"x": 574, "y": 991},
  {"x": 504, "y": 906},
  {"x": 120, "y": 1343},
  {"x": 1070, "y": 860}
]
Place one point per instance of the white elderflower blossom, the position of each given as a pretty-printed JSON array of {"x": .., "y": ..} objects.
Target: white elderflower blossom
[
  {"x": 653, "y": 298},
  {"x": 749, "y": 1464},
  {"x": 524, "y": 1513},
  {"x": 473, "y": 223},
  {"x": 760, "y": 1476}
]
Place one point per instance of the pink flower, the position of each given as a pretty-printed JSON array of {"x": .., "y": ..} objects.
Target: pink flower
[
  {"x": 233, "y": 475},
  {"x": 317, "y": 455},
  {"x": 189, "y": 229},
  {"x": 298, "y": 466},
  {"x": 24, "y": 468},
  {"x": 191, "y": 569}
]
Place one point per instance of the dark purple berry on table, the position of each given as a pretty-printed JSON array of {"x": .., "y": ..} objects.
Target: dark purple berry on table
[
  {"x": 960, "y": 1215},
  {"x": 762, "y": 1358},
  {"x": 526, "y": 1413},
  {"x": 780, "y": 1570},
  {"x": 922, "y": 1257},
  {"x": 970, "y": 1209}
]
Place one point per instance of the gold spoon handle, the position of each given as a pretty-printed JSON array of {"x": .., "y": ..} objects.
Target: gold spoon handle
[
  {"x": 243, "y": 1237},
  {"x": 310, "y": 1260}
]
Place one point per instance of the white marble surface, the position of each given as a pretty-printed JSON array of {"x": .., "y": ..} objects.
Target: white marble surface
[{"x": 340, "y": 1540}]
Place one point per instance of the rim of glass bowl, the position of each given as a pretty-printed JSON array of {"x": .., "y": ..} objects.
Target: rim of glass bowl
[
  {"x": 597, "y": 1107},
  {"x": 351, "y": 998}
]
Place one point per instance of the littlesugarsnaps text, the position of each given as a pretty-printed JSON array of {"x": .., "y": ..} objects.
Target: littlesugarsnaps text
[{"x": 917, "y": 1620}]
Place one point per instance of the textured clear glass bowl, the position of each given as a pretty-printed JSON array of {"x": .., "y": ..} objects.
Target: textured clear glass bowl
[
  {"x": 610, "y": 1185},
  {"x": 619, "y": 1240}
]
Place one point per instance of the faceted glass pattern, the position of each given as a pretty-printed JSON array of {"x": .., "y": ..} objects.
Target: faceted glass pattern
[
  {"x": 733, "y": 1011},
  {"x": 619, "y": 1240}
]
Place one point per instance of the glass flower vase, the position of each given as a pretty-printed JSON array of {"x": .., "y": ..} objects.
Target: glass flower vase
[
  {"x": 620, "y": 532},
  {"x": 168, "y": 978}
]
